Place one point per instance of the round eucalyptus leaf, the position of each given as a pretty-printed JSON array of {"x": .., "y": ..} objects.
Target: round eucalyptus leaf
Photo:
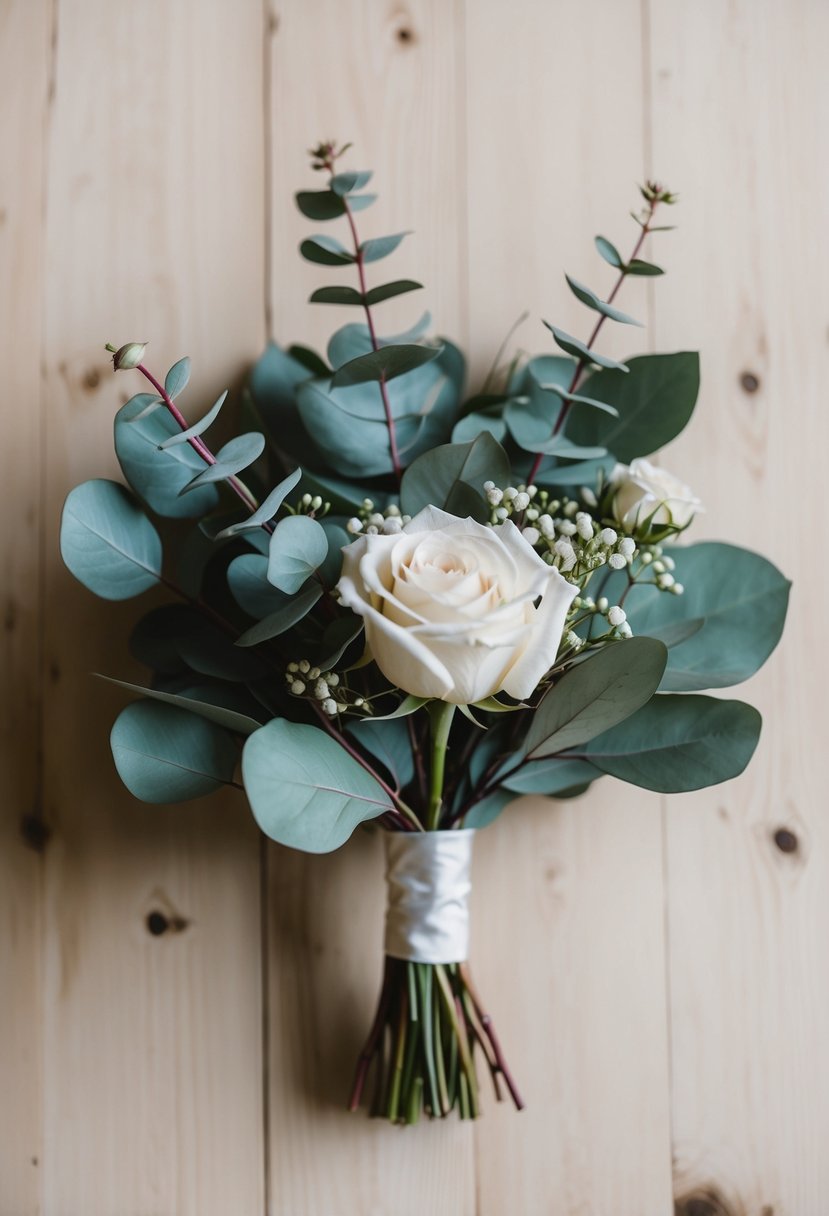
[
  {"x": 247, "y": 577},
  {"x": 212, "y": 710},
  {"x": 434, "y": 476},
  {"x": 158, "y": 477},
  {"x": 298, "y": 547},
  {"x": 305, "y": 790},
  {"x": 167, "y": 754},
  {"x": 107, "y": 541},
  {"x": 177, "y": 378}
]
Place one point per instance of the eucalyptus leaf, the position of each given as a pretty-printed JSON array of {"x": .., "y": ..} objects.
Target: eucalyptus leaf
[
  {"x": 578, "y": 350},
  {"x": 472, "y": 425},
  {"x": 305, "y": 790},
  {"x": 381, "y": 246},
  {"x": 337, "y": 637},
  {"x": 638, "y": 267},
  {"x": 390, "y": 743},
  {"x": 236, "y": 455},
  {"x": 409, "y": 705},
  {"x": 164, "y": 753},
  {"x": 177, "y": 378},
  {"x": 377, "y": 295},
  {"x": 550, "y": 776},
  {"x": 320, "y": 204},
  {"x": 436, "y": 476},
  {"x": 107, "y": 541},
  {"x": 247, "y": 577},
  {"x": 267, "y": 510},
  {"x": 677, "y": 743},
  {"x": 595, "y": 695},
  {"x": 354, "y": 339},
  {"x": 337, "y": 295},
  {"x": 384, "y": 364},
  {"x": 484, "y": 812},
  {"x": 592, "y": 301},
  {"x": 239, "y": 723},
  {"x": 741, "y": 599},
  {"x": 359, "y": 202},
  {"x": 273, "y": 384},
  {"x": 157, "y": 476},
  {"x": 283, "y": 619},
  {"x": 297, "y": 548},
  {"x": 198, "y": 428},
  {"x": 609, "y": 252},
  {"x": 347, "y": 183},
  {"x": 325, "y": 251},
  {"x": 655, "y": 400}
]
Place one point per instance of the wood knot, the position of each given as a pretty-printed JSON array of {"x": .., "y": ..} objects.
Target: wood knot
[
  {"x": 749, "y": 382},
  {"x": 707, "y": 1202},
  {"x": 159, "y": 923},
  {"x": 786, "y": 840},
  {"x": 35, "y": 832},
  {"x": 405, "y": 35}
]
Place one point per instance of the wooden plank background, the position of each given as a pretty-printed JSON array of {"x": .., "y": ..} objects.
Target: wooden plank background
[{"x": 657, "y": 969}]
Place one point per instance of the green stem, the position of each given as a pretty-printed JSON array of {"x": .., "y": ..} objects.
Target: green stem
[{"x": 441, "y": 714}]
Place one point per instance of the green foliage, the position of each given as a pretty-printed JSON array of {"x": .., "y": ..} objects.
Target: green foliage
[
  {"x": 164, "y": 753},
  {"x": 325, "y": 251},
  {"x": 655, "y": 400},
  {"x": 345, "y": 184},
  {"x": 578, "y": 350},
  {"x": 381, "y": 246},
  {"x": 189, "y": 699},
  {"x": 320, "y": 204},
  {"x": 198, "y": 428},
  {"x": 451, "y": 477},
  {"x": 298, "y": 547},
  {"x": 677, "y": 743},
  {"x": 609, "y": 252},
  {"x": 596, "y": 695},
  {"x": 377, "y": 295},
  {"x": 159, "y": 476},
  {"x": 592, "y": 301},
  {"x": 267, "y": 509},
  {"x": 305, "y": 791},
  {"x": 384, "y": 364},
  {"x": 282, "y": 619},
  {"x": 550, "y": 776},
  {"x": 177, "y": 379},
  {"x": 735, "y": 602},
  {"x": 107, "y": 541},
  {"x": 236, "y": 455},
  {"x": 390, "y": 743},
  {"x": 337, "y": 295}
]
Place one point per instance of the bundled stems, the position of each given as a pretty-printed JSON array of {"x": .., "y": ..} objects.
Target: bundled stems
[
  {"x": 581, "y": 364},
  {"x": 428, "y": 1024}
]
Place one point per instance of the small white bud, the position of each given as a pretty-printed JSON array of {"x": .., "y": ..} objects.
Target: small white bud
[
  {"x": 627, "y": 546},
  {"x": 545, "y": 523},
  {"x": 333, "y": 678},
  {"x": 509, "y": 493},
  {"x": 608, "y": 536},
  {"x": 659, "y": 567},
  {"x": 392, "y": 509},
  {"x": 488, "y": 485},
  {"x": 531, "y": 535},
  {"x": 377, "y": 520},
  {"x": 304, "y": 666},
  {"x": 625, "y": 630},
  {"x": 501, "y": 513},
  {"x": 602, "y": 604},
  {"x": 354, "y": 525},
  {"x": 341, "y": 707},
  {"x": 297, "y": 688},
  {"x": 306, "y": 500},
  {"x": 678, "y": 588},
  {"x": 617, "y": 561},
  {"x": 616, "y": 616},
  {"x": 359, "y": 703},
  {"x": 293, "y": 667},
  {"x": 521, "y": 500},
  {"x": 589, "y": 497},
  {"x": 314, "y": 673},
  {"x": 572, "y": 640},
  {"x": 566, "y": 527},
  {"x": 368, "y": 504},
  {"x": 316, "y": 503},
  {"x": 321, "y": 690},
  {"x": 532, "y": 491},
  {"x": 665, "y": 581},
  {"x": 531, "y": 513},
  {"x": 647, "y": 558},
  {"x": 584, "y": 525},
  {"x": 669, "y": 563},
  {"x": 372, "y": 530},
  {"x": 391, "y": 526},
  {"x": 329, "y": 706}
]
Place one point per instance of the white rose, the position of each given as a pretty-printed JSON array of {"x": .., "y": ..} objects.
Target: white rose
[
  {"x": 454, "y": 610},
  {"x": 644, "y": 495}
]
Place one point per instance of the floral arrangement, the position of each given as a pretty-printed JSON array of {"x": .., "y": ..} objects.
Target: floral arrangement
[{"x": 418, "y": 605}]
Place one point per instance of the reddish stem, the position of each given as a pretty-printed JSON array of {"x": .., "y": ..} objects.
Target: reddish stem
[
  {"x": 373, "y": 1041},
  {"x": 199, "y": 446},
  {"x": 489, "y": 1029},
  {"x": 582, "y": 363},
  {"x": 361, "y": 272}
]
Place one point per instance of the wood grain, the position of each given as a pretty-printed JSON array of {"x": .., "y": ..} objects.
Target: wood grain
[
  {"x": 740, "y": 107},
  {"x": 24, "y": 32},
  {"x": 154, "y": 230}
]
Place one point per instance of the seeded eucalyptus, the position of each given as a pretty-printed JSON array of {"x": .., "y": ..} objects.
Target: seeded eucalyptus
[{"x": 385, "y": 599}]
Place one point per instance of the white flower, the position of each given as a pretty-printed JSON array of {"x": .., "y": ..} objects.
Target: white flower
[
  {"x": 625, "y": 630},
  {"x": 354, "y": 526},
  {"x": 608, "y": 536},
  {"x": 644, "y": 495},
  {"x": 297, "y": 688},
  {"x": 617, "y": 616},
  {"x": 584, "y": 525},
  {"x": 627, "y": 546},
  {"x": 617, "y": 561},
  {"x": 455, "y": 610},
  {"x": 329, "y": 706},
  {"x": 521, "y": 501},
  {"x": 531, "y": 535}
]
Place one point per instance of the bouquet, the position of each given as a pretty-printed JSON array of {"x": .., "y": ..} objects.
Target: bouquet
[{"x": 391, "y": 604}]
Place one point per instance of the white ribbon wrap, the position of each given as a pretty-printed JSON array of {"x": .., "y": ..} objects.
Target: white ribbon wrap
[{"x": 427, "y": 914}]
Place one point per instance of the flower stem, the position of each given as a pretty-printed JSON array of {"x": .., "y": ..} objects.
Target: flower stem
[
  {"x": 441, "y": 714},
  {"x": 645, "y": 226}
]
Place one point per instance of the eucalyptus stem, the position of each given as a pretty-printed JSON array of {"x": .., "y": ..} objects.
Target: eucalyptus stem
[
  {"x": 375, "y": 345},
  {"x": 582, "y": 362}
]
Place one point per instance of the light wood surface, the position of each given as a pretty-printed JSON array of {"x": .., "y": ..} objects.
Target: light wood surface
[{"x": 657, "y": 970}]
